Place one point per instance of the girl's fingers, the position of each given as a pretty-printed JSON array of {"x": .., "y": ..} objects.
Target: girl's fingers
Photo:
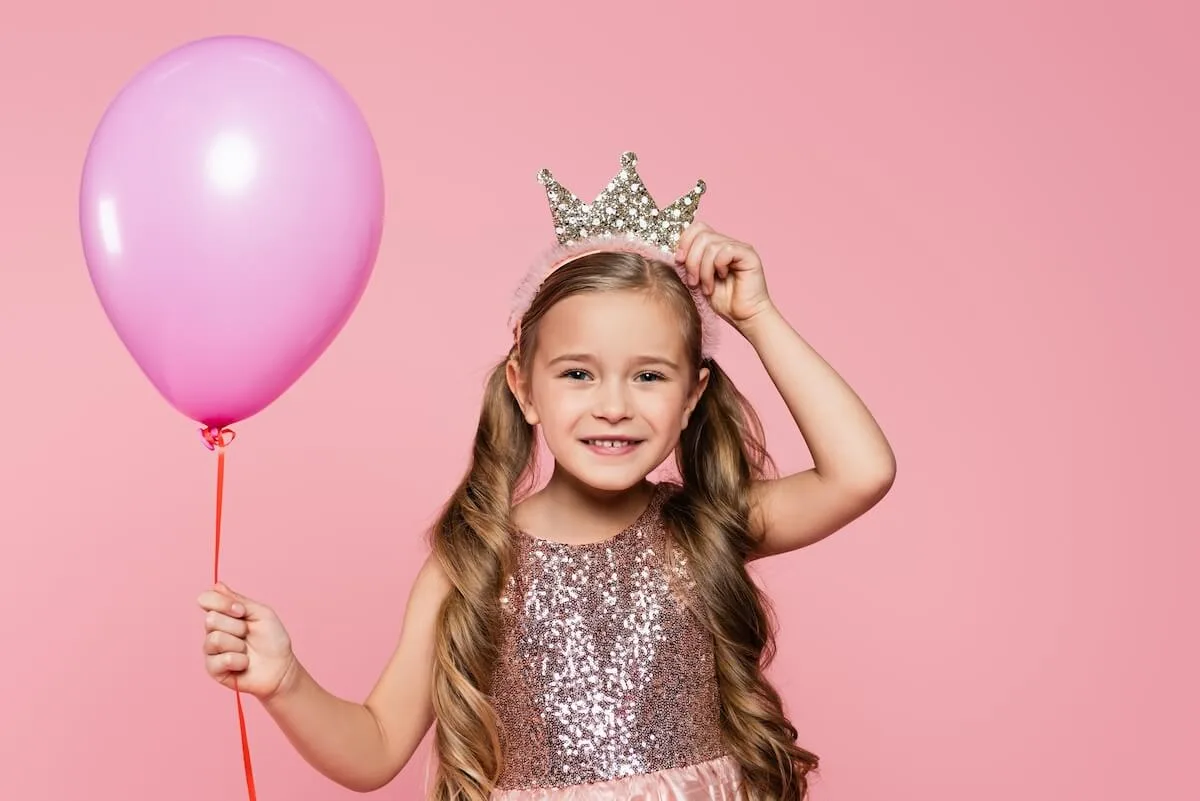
[
  {"x": 219, "y": 642},
  {"x": 695, "y": 255},
  {"x": 216, "y": 601},
  {"x": 685, "y": 239},
  {"x": 220, "y": 664},
  {"x": 238, "y": 605},
  {"x": 708, "y": 266},
  {"x": 215, "y": 621},
  {"x": 726, "y": 255}
]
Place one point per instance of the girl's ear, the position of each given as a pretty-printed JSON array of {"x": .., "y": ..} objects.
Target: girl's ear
[
  {"x": 518, "y": 386},
  {"x": 695, "y": 395}
]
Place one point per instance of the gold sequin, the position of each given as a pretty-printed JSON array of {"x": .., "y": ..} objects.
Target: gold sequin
[{"x": 606, "y": 671}]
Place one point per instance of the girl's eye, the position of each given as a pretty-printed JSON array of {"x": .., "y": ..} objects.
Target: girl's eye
[{"x": 583, "y": 375}]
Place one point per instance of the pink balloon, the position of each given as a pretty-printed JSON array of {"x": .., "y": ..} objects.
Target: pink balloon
[{"x": 231, "y": 210}]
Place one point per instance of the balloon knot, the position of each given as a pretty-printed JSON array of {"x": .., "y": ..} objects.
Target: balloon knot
[{"x": 217, "y": 437}]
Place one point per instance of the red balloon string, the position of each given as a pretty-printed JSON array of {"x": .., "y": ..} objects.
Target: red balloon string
[{"x": 218, "y": 439}]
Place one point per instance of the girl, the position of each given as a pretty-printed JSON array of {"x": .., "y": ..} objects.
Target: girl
[{"x": 600, "y": 638}]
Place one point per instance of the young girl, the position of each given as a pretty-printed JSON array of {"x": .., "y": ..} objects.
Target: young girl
[{"x": 600, "y": 638}]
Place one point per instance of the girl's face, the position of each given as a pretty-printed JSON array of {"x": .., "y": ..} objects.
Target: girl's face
[{"x": 610, "y": 384}]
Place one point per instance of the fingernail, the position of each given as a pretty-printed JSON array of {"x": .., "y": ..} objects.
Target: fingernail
[{"x": 238, "y": 609}]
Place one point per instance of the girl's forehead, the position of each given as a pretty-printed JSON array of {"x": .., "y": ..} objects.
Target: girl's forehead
[{"x": 613, "y": 322}]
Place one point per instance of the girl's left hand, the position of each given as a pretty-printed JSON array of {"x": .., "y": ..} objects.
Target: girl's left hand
[{"x": 729, "y": 272}]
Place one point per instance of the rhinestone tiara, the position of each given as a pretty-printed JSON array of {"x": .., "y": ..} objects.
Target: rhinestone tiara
[{"x": 625, "y": 207}]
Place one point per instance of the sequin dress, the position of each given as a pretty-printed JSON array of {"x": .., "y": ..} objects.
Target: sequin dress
[{"x": 606, "y": 689}]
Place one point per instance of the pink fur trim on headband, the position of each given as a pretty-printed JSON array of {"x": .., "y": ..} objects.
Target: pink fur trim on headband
[{"x": 559, "y": 255}]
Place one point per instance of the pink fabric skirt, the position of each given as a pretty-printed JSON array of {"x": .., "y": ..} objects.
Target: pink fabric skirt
[{"x": 715, "y": 780}]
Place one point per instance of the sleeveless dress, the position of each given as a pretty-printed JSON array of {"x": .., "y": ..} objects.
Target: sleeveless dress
[{"x": 606, "y": 689}]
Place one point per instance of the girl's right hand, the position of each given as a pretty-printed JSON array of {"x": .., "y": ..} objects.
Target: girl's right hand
[{"x": 245, "y": 642}]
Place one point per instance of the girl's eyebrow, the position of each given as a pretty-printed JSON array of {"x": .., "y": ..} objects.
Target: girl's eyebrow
[
  {"x": 662, "y": 360},
  {"x": 640, "y": 360},
  {"x": 572, "y": 357}
]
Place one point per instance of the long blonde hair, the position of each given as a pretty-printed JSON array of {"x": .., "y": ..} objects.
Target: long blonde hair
[{"x": 719, "y": 454}]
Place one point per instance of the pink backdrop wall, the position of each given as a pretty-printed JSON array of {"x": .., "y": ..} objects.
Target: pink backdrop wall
[{"x": 978, "y": 212}]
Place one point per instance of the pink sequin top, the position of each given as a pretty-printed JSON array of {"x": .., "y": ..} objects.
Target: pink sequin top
[{"x": 606, "y": 671}]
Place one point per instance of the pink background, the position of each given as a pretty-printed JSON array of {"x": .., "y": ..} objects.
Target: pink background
[{"x": 983, "y": 214}]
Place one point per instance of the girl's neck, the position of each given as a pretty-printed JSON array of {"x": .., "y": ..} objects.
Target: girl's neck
[{"x": 567, "y": 504}]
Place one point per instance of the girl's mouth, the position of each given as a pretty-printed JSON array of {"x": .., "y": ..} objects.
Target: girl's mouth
[{"x": 612, "y": 446}]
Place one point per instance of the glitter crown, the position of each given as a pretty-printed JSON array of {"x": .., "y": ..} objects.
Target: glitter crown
[{"x": 623, "y": 208}]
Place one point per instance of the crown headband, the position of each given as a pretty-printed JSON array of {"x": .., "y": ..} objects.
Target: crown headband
[{"x": 623, "y": 218}]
